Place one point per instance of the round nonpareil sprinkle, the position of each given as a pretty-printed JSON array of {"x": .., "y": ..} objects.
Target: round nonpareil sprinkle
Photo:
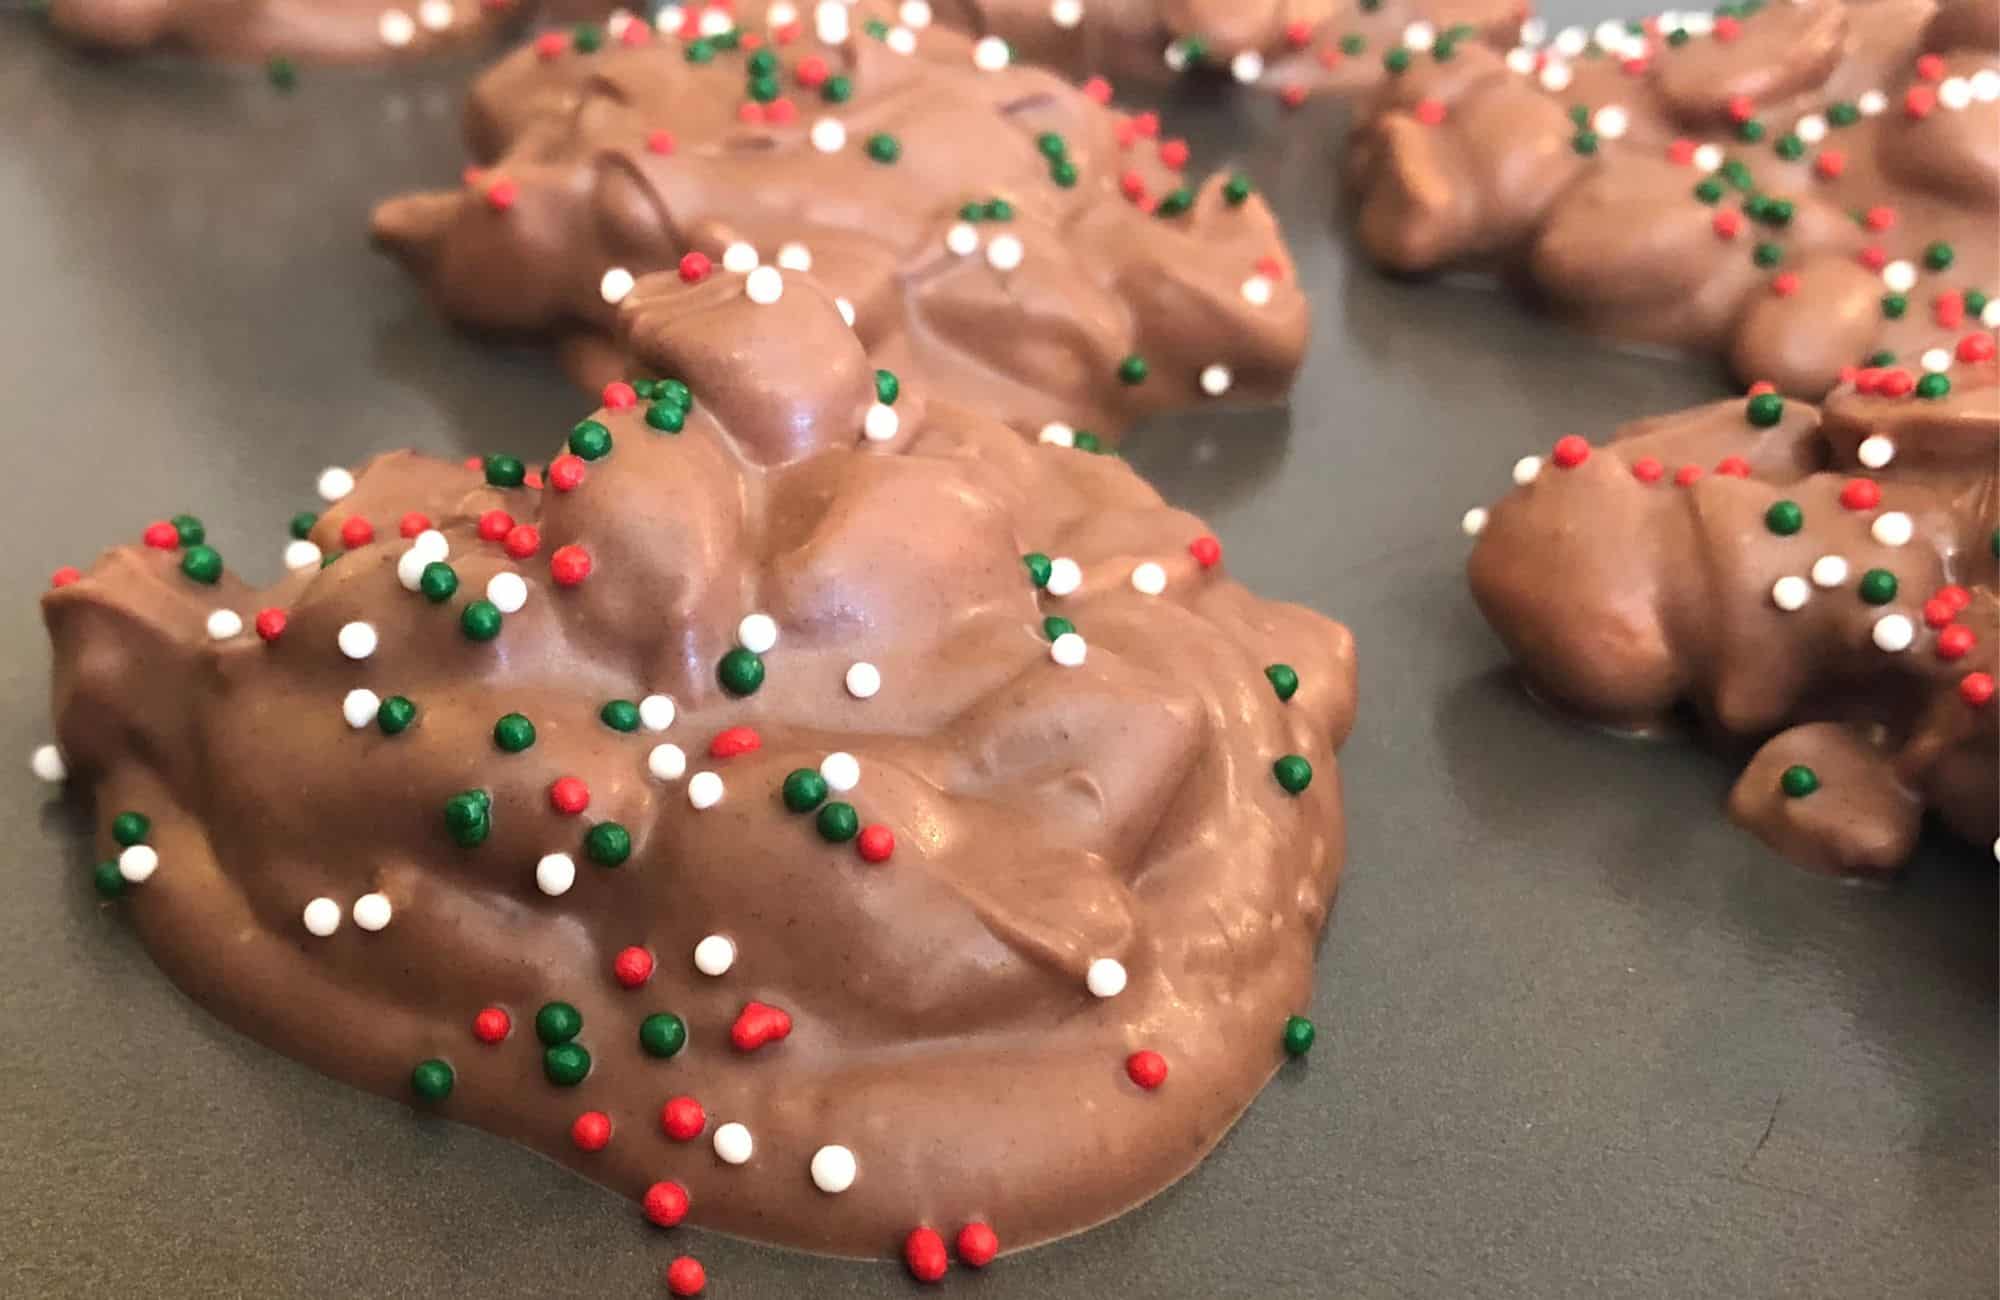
[
  {"x": 833, "y": 1169},
  {"x": 714, "y": 955},
  {"x": 321, "y": 917}
]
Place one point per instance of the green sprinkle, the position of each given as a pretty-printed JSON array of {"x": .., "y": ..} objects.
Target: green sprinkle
[
  {"x": 838, "y": 822},
  {"x": 395, "y": 715},
  {"x": 1790, "y": 148},
  {"x": 1798, "y": 781},
  {"x": 1354, "y": 44},
  {"x": 1053, "y": 146},
  {"x": 620, "y": 715},
  {"x": 557, "y": 1022},
  {"x": 1584, "y": 142},
  {"x": 1054, "y": 626},
  {"x": 887, "y": 387},
  {"x": 1765, "y": 409},
  {"x": 1894, "y": 305},
  {"x": 590, "y": 440},
  {"x": 1088, "y": 441},
  {"x": 203, "y": 564},
  {"x": 586, "y": 38},
  {"x": 1933, "y": 386},
  {"x": 513, "y": 733},
  {"x": 740, "y": 671},
  {"x": 1299, "y": 1035},
  {"x": 1938, "y": 255},
  {"x": 468, "y": 817},
  {"x": 662, "y": 1034},
  {"x": 282, "y": 72},
  {"x": 1039, "y": 568},
  {"x": 189, "y": 530},
  {"x": 803, "y": 790},
  {"x": 1133, "y": 370},
  {"x": 700, "y": 51},
  {"x": 667, "y": 417},
  {"x": 1284, "y": 680},
  {"x": 432, "y": 1080},
  {"x": 1784, "y": 518},
  {"x": 1844, "y": 113},
  {"x": 1750, "y": 132},
  {"x": 480, "y": 621},
  {"x": 607, "y": 844},
  {"x": 1236, "y": 190},
  {"x": 1174, "y": 202},
  {"x": 1767, "y": 255},
  {"x": 566, "y": 1064},
  {"x": 129, "y": 828},
  {"x": 107, "y": 879},
  {"x": 438, "y": 582},
  {"x": 837, "y": 90},
  {"x": 302, "y": 524},
  {"x": 505, "y": 471},
  {"x": 1293, "y": 773},
  {"x": 1877, "y": 587},
  {"x": 1063, "y": 173},
  {"x": 883, "y": 147}
]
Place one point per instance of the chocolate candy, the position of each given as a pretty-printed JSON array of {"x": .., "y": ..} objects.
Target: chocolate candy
[
  {"x": 1802, "y": 189},
  {"x": 817, "y": 822},
  {"x": 1817, "y": 580},
  {"x": 993, "y": 230}
]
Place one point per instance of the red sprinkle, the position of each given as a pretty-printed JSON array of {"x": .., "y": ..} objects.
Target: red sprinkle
[
  {"x": 1207, "y": 552},
  {"x": 1741, "y": 107},
  {"x": 356, "y": 531},
  {"x": 1174, "y": 153},
  {"x": 1727, "y": 223},
  {"x": 1298, "y": 33},
  {"x": 875, "y": 843},
  {"x": 636, "y": 32},
  {"x": 1727, "y": 29},
  {"x": 666, "y": 1203},
  {"x": 1938, "y": 612},
  {"x": 494, "y": 525},
  {"x": 660, "y": 142},
  {"x": 811, "y": 72},
  {"x": 1830, "y": 163},
  {"x": 570, "y": 565},
  {"x": 1976, "y": 347},
  {"x": 1686, "y": 475},
  {"x": 1955, "y": 642},
  {"x": 1148, "y": 1069},
  {"x": 1570, "y": 451},
  {"x": 1132, "y": 185},
  {"x": 1785, "y": 283},
  {"x": 619, "y": 396},
  {"x": 1861, "y": 494},
  {"x": 1955, "y": 596},
  {"x": 491, "y": 1025},
  {"x": 1147, "y": 124},
  {"x": 732, "y": 741},
  {"x": 413, "y": 523},
  {"x": 271, "y": 623},
  {"x": 1879, "y": 217},
  {"x": 695, "y": 267},
  {"x": 1897, "y": 383},
  {"x": 1429, "y": 111},
  {"x": 1948, "y": 310},
  {"x": 1733, "y": 467},
  {"x": 1976, "y": 689},
  {"x": 569, "y": 795},
  {"x": 1760, "y": 388},
  {"x": 632, "y": 967},
  {"x": 1681, "y": 151},
  {"x": 686, "y": 1276},
  {"x": 501, "y": 194},
  {"x": 1097, "y": 90},
  {"x": 780, "y": 111},
  {"x": 1648, "y": 470},
  {"x": 923, "y": 1252},
  {"x": 1874, "y": 257},
  {"x": 682, "y": 1119},
  {"x": 65, "y": 576},
  {"x": 592, "y": 1131},
  {"x": 550, "y": 45},
  {"x": 566, "y": 473},
  {"x": 161, "y": 536},
  {"x": 1918, "y": 101},
  {"x": 757, "y": 1024},
  {"x": 977, "y": 1245},
  {"x": 522, "y": 540},
  {"x": 1930, "y": 67}
]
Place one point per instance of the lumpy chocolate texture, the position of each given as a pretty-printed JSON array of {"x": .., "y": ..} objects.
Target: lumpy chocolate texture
[
  {"x": 992, "y": 228},
  {"x": 1800, "y": 188},
  {"x": 1818, "y": 581},
  {"x": 1111, "y": 797}
]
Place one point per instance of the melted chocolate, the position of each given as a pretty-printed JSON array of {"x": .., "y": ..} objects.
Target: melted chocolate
[
  {"x": 1794, "y": 190},
  {"x": 1046, "y": 815},
  {"x": 994, "y": 230},
  {"x": 1818, "y": 580}
]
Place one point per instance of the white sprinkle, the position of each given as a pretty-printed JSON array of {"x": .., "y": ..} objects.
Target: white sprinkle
[
  {"x": 669, "y": 19},
  {"x": 1699, "y": 23},
  {"x": 1066, "y": 13},
  {"x": 410, "y": 566},
  {"x": 704, "y": 789},
  {"x": 846, "y": 310},
  {"x": 616, "y": 284},
  {"x": 1473, "y": 522},
  {"x": 1004, "y": 253},
  {"x": 781, "y": 15},
  {"x": 829, "y": 135},
  {"x": 902, "y": 40},
  {"x": 322, "y": 917},
  {"x": 795, "y": 257},
  {"x": 1176, "y": 56},
  {"x": 757, "y": 633},
  {"x": 1871, "y": 103},
  {"x": 1899, "y": 277},
  {"x": 740, "y": 258},
  {"x": 1989, "y": 315},
  {"x": 1065, "y": 576},
  {"x": 667, "y": 762},
  {"x": 1708, "y": 157},
  {"x": 914, "y": 13},
  {"x": 395, "y": 28},
  {"x": 881, "y": 423},
  {"x": 1936, "y": 360},
  {"x": 1829, "y": 571},
  {"x": 1892, "y": 528},
  {"x": 1521, "y": 60},
  {"x": 830, "y": 22},
  {"x": 1790, "y": 593},
  {"x": 372, "y": 911},
  {"x": 1247, "y": 67},
  {"x": 732, "y": 1144},
  {"x": 1875, "y": 451},
  {"x": 656, "y": 712},
  {"x": 359, "y": 706},
  {"x": 357, "y": 640},
  {"x": 764, "y": 286},
  {"x": 833, "y": 1169},
  {"x": 616, "y": 25},
  {"x": 714, "y": 22},
  {"x": 1555, "y": 75},
  {"x": 223, "y": 624},
  {"x": 1527, "y": 469},
  {"x": 1149, "y": 579},
  {"x": 334, "y": 483},
  {"x": 140, "y": 861},
  {"x": 300, "y": 555},
  {"x": 962, "y": 239},
  {"x": 1610, "y": 34},
  {"x": 841, "y": 770},
  {"x": 1057, "y": 434},
  {"x": 1986, "y": 85},
  {"x": 863, "y": 680},
  {"x": 1068, "y": 650},
  {"x": 1534, "y": 31},
  {"x": 435, "y": 15},
  {"x": 1419, "y": 36},
  {"x": 47, "y": 764},
  {"x": 1257, "y": 290},
  {"x": 714, "y": 955},
  {"x": 1893, "y": 633},
  {"x": 508, "y": 591},
  {"x": 1570, "y": 41},
  {"x": 1955, "y": 93},
  {"x": 555, "y": 873},
  {"x": 1216, "y": 379},
  {"x": 1105, "y": 978},
  {"x": 990, "y": 54},
  {"x": 1611, "y": 121},
  {"x": 1811, "y": 128},
  {"x": 431, "y": 543}
]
